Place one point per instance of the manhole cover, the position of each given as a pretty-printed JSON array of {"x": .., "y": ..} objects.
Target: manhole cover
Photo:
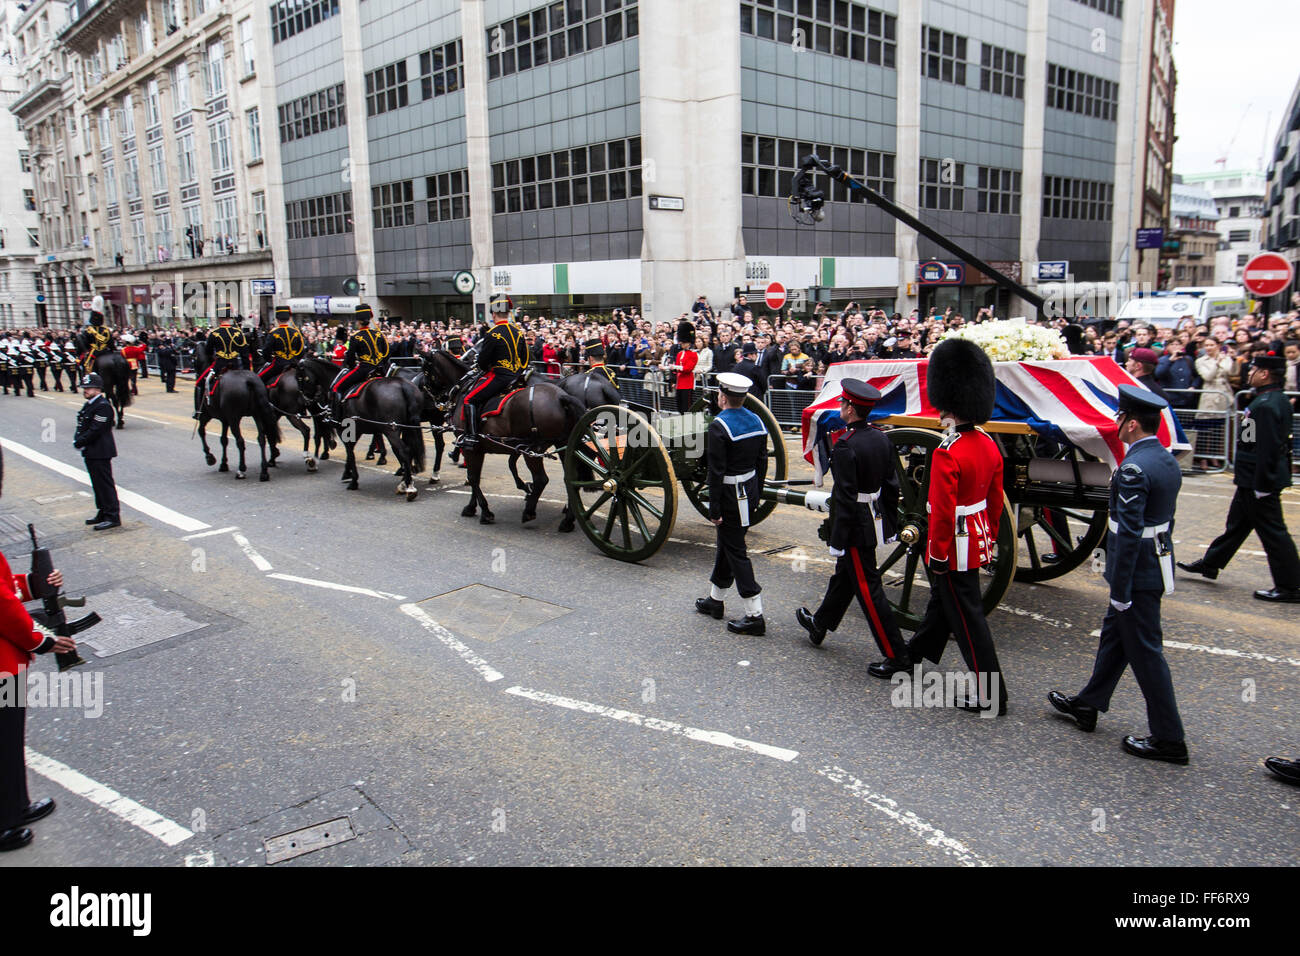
[
  {"x": 131, "y": 621},
  {"x": 489, "y": 614}
]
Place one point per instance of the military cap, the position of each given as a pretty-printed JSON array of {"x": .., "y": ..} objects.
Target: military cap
[
  {"x": 283, "y": 313},
  {"x": 734, "y": 383},
  {"x": 1137, "y": 400},
  {"x": 364, "y": 314},
  {"x": 1143, "y": 355},
  {"x": 92, "y": 381},
  {"x": 858, "y": 393},
  {"x": 1272, "y": 359}
]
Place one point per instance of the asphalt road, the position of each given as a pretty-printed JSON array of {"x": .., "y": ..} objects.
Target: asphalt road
[{"x": 591, "y": 716}]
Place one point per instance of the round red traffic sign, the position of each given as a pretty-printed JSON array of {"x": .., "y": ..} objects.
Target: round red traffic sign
[
  {"x": 1267, "y": 274},
  {"x": 775, "y": 296}
]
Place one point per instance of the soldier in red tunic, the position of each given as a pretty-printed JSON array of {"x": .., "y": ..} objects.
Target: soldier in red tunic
[{"x": 965, "y": 507}]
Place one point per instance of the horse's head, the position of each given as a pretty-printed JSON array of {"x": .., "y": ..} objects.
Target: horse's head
[{"x": 442, "y": 369}]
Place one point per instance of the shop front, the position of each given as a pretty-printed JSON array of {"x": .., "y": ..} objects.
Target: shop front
[
  {"x": 963, "y": 288},
  {"x": 567, "y": 290},
  {"x": 832, "y": 281}
]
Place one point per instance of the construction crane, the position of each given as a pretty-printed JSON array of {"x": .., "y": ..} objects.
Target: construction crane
[{"x": 1222, "y": 161}]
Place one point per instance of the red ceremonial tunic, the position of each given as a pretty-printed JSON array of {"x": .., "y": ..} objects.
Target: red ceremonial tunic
[
  {"x": 18, "y": 635},
  {"x": 965, "y": 503},
  {"x": 687, "y": 359}
]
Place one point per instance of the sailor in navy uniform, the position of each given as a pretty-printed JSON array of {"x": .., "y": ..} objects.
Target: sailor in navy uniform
[
  {"x": 1140, "y": 570},
  {"x": 736, "y": 448},
  {"x": 864, "y": 515}
]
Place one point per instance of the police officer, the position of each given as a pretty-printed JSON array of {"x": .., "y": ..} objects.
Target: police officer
[
  {"x": 1262, "y": 470},
  {"x": 283, "y": 346},
  {"x": 94, "y": 437},
  {"x": 366, "y": 356},
  {"x": 229, "y": 349},
  {"x": 965, "y": 508},
  {"x": 502, "y": 359},
  {"x": 1140, "y": 570},
  {"x": 736, "y": 449},
  {"x": 748, "y": 367},
  {"x": 864, "y": 515}
]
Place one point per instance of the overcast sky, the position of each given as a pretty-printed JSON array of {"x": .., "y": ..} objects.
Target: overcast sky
[{"x": 1238, "y": 63}]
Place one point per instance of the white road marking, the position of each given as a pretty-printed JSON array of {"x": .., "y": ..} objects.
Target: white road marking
[
  {"x": 484, "y": 669},
  {"x": 1033, "y": 615},
  {"x": 138, "y": 502},
  {"x": 208, "y": 534},
  {"x": 1224, "y": 652},
  {"x": 930, "y": 834},
  {"x": 715, "y": 737},
  {"x": 250, "y": 552},
  {"x": 152, "y": 823},
  {"x": 313, "y": 582}
]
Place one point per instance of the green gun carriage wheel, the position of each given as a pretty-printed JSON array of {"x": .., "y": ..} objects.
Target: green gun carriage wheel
[{"x": 694, "y": 471}]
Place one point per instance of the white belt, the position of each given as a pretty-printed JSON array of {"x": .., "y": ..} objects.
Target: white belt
[
  {"x": 871, "y": 498},
  {"x": 966, "y": 510},
  {"x": 742, "y": 499},
  {"x": 1165, "y": 558}
]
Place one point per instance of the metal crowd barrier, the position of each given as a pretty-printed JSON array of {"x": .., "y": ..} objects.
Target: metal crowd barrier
[
  {"x": 1242, "y": 399},
  {"x": 1209, "y": 431},
  {"x": 787, "y": 404}
]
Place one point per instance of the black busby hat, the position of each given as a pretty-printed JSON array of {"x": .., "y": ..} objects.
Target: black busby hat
[
  {"x": 363, "y": 314},
  {"x": 593, "y": 348},
  {"x": 959, "y": 380},
  {"x": 283, "y": 313},
  {"x": 223, "y": 312},
  {"x": 686, "y": 333},
  {"x": 340, "y": 333}
]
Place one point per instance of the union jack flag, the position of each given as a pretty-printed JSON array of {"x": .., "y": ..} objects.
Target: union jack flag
[{"x": 1071, "y": 401}]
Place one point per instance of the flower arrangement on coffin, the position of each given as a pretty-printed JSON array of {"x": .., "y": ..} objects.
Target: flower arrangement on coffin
[{"x": 1012, "y": 340}]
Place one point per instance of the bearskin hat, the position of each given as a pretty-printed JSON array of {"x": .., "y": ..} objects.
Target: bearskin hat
[
  {"x": 686, "y": 333},
  {"x": 340, "y": 333},
  {"x": 959, "y": 380},
  {"x": 1073, "y": 338}
]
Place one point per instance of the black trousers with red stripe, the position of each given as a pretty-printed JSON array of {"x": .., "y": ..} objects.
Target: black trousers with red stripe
[
  {"x": 856, "y": 575},
  {"x": 956, "y": 609},
  {"x": 13, "y": 765}
]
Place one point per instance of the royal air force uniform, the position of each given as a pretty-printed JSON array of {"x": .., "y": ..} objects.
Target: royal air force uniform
[
  {"x": 1140, "y": 571},
  {"x": 94, "y": 438},
  {"x": 1262, "y": 469},
  {"x": 282, "y": 348},
  {"x": 864, "y": 515},
  {"x": 502, "y": 360},
  {"x": 736, "y": 452}
]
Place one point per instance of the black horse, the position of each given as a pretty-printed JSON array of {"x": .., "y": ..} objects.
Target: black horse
[
  {"x": 239, "y": 394},
  {"x": 287, "y": 402},
  {"x": 112, "y": 368},
  {"x": 529, "y": 421},
  {"x": 388, "y": 406}
]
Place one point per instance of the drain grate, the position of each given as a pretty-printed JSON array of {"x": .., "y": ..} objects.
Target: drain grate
[
  {"x": 318, "y": 836},
  {"x": 489, "y": 614}
]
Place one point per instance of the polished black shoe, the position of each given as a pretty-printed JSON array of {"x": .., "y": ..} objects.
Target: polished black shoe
[
  {"x": 1084, "y": 716},
  {"x": 749, "y": 624},
  {"x": 806, "y": 620},
  {"x": 706, "y": 605},
  {"x": 15, "y": 838},
  {"x": 105, "y": 525},
  {"x": 1050, "y": 558},
  {"x": 95, "y": 520},
  {"x": 889, "y": 667},
  {"x": 1199, "y": 567},
  {"x": 1152, "y": 749},
  {"x": 1288, "y": 770},
  {"x": 1280, "y": 595},
  {"x": 39, "y": 809},
  {"x": 973, "y": 706}
]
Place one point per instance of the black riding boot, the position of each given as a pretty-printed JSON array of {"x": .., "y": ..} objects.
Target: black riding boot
[{"x": 469, "y": 440}]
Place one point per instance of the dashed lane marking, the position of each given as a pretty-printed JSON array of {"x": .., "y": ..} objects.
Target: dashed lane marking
[
  {"x": 152, "y": 823},
  {"x": 482, "y": 667},
  {"x": 332, "y": 586},
  {"x": 890, "y": 808},
  {"x": 1224, "y": 652},
  {"x": 129, "y": 498},
  {"x": 715, "y": 737},
  {"x": 250, "y": 552},
  {"x": 209, "y": 534}
]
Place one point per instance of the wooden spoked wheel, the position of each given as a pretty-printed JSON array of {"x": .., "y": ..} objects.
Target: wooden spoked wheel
[
  {"x": 902, "y": 564},
  {"x": 694, "y": 473},
  {"x": 620, "y": 481}
]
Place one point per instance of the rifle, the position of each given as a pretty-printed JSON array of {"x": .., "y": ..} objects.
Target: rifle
[{"x": 52, "y": 616}]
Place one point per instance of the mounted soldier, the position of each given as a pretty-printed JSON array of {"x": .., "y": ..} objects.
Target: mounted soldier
[
  {"x": 366, "y": 356},
  {"x": 284, "y": 344},
  {"x": 227, "y": 348},
  {"x": 596, "y": 355},
  {"x": 502, "y": 360},
  {"x": 97, "y": 338}
]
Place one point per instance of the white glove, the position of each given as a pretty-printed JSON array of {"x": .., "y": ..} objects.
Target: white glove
[
  {"x": 835, "y": 552},
  {"x": 1262, "y": 494},
  {"x": 1120, "y": 606}
]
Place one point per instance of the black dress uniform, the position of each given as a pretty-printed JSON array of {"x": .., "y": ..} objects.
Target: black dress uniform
[
  {"x": 1140, "y": 571},
  {"x": 596, "y": 354},
  {"x": 748, "y": 367},
  {"x": 282, "y": 348},
  {"x": 168, "y": 358},
  {"x": 502, "y": 359},
  {"x": 1262, "y": 470},
  {"x": 736, "y": 450},
  {"x": 94, "y": 437},
  {"x": 366, "y": 356},
  {"x": 864, "y": 515}
]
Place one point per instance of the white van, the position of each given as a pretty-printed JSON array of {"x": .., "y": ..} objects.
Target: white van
[{"x": 1170, "y": 309}]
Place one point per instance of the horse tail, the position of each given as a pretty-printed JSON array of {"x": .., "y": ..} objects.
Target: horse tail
[
  {"x": 261, "y": 405},
  {"x": 413, "y": 433}
]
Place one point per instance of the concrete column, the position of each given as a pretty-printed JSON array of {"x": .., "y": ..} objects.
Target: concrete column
[
  {"x": 477, "y": 145},
  {"x": 907, "y": 164},
  {"x": 1031, "y": 151},
  {"x": 202, "y": 147},
  {"x": 354, "y": 91},
  {"x": 690, "y": 144},
  {"x": 276, "y": 237},
  {"x": 1131, "y": 140}
]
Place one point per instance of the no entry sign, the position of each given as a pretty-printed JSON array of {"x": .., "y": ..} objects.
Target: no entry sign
[
  {"x": 775, "y": 296},
  {"x": 1267, "y": 274}
]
